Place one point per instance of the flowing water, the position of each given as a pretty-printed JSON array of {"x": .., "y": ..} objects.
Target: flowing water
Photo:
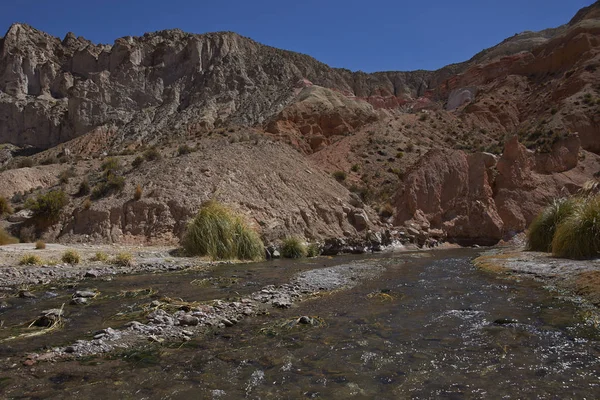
[{"x": 432, "y": 326}]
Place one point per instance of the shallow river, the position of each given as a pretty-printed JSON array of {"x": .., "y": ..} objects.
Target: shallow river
[{"x": 432, "y": 326}]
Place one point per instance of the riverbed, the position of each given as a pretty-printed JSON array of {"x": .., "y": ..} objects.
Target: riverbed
[{"x": 426, "y": 325}]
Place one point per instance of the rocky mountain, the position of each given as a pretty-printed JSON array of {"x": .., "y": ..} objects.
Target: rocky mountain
[{"x": 428, "y": 149}]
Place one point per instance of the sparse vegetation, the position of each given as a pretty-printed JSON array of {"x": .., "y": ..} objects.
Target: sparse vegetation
[
  {"x": 111, "y": 164},
  {"x": 123, "y": 259},
  {"x": 30, "y": 259},
  {"x": 293, "y": 247},
  {"x": 339, "y": 176},
  {"x": 65, "y": 175},
  {"x": 40, "y": 245},
  {"x": 355, "y": 168},
  {"x": 47, "y": 207},
  {"x": 218, "y": 233},
  {"x": 71, "y": 257},
  {"x": 87, "y": 203},
  {"x": 111, "y": 184}
]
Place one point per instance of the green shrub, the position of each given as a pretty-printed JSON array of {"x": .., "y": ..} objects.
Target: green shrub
[
  {"x": 5, "y": 207},
  {"x": 40, "y": 245},
  {"x": 6, "y": 238},
  {"x": 313, "y": 250},
  {"x": 542, "y": 228},
  {"x": 137, "y": 162},
  {"x": 100, "y": 256},
  {"x": 67, "y": 174},
  {"x": 355, "y": 168},
  {"x": 339, "y": 176},
  {"x": 30, "y": 259},
  {"x": 123, "y": 259},
  {"x": 578, "y": 236},
  {"x": 25, "y": 162},
  {"x": 71, "y": 257},
  {"x": 47, "y": 207},
  {"x": 112, "y": 184},
  {"x": 293, "y": 247},
  {"x": 111, "y": 165},
  {"x": 220, "y": 234}
]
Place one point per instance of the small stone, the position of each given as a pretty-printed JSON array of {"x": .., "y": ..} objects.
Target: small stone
[
  {"x": 85, "y": 293},
  {"x": 156, "y": 339},
  {"x": 155, "y": 303},
  {"x": 69, "y": 349},
  {"x": 25, "y": 294},
  {"x": 79, "y": 301},
  {"x": 188, "y": 320},
  {"x": 226, "y": 322},
  {"x": 305, "y": 320},
  {"x": 276, "y": 254},
  {"x": 92, "y": 273},
  {"x": 505, "y": 321}
]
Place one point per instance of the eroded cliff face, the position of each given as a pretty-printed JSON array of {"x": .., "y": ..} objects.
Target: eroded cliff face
[{"x": 484, "y": 197}]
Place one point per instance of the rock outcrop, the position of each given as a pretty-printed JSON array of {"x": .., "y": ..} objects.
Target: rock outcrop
[{"x": 480, "y": 197}]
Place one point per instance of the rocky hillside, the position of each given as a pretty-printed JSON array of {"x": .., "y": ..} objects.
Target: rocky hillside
[{"x": 267, "y": 128}]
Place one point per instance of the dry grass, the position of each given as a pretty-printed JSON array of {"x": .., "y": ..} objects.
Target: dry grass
[
  {"x": 40, "y": 245},
  {"x": 5, "y": 238},
  {"x": 71, "y": 257},
  {"x": 293, "y": 247},
  {"x": 100, "y": 256},
  {"x": 542, "y": 229},
  {"x": 30, "y": 259},
  {"x": 218, "y": 233},
  {"x": 578, "y": 236},
  {"x": 123, "y": 259}
]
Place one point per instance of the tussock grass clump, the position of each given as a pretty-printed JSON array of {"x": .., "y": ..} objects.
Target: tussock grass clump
[
  {"x": 138, "y": 193},
  {"x": 30, "y": 259},
  {"x": 100, "y": 256},
  {"x": 123, "y": 259},
  {"x": 339, "y": 176},
  {"x": 313, "y": 250},
  {"x": 40, "y": 245},
  {"x": 578, "y": 236},
  {"x": 293, "y": 247},
  {"x": 5, "y": 207},
  {"x": 218, "y": 233},
  {"x": 71, "y": 257},
  {"x": 542, "y": 229},
  {"x": 6, "y": 238}
]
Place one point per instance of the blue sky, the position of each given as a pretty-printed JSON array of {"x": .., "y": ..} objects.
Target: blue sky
[{"x": 375, "y": 35}]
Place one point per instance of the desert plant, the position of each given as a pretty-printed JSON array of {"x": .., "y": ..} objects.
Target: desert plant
[
  {"x": 293, "y": 247},
  {"x": 84, "y": 188},
  {"x": 220, "y": 234},
  {"x": 123, "y": 259},
  {"x": 339, "y": 176},
  {"x": 138, "y": 193},
  {"x": 386, "y": 211},
  {"x": 87, "y": 204},
  {"x": 47, "y": 207},
  {"x": 40, "y": 245},
  {"x": 543, "y": 227},
  {"x": 65, "y": 175},
  {"x": 578, "y": 236},
  {"x": 111, "y": 164},
  {"x": 5, "y": 207},
  {"x": 71, "y": 257},
  {"x": 111, "y": 184},
  {"x": 30, "y": 259},
  {"x": 355, "y": 168},
  {"x": 6, "y": 238},
  {"x": 313, "y": 250},
  {"x": 139, "y": 160},
  {"x": 100, "y": 256},
  {"x": 184, "y": 149},
  {"x": 152, "y": 154},
  {"x": 25, "y": 162}
]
